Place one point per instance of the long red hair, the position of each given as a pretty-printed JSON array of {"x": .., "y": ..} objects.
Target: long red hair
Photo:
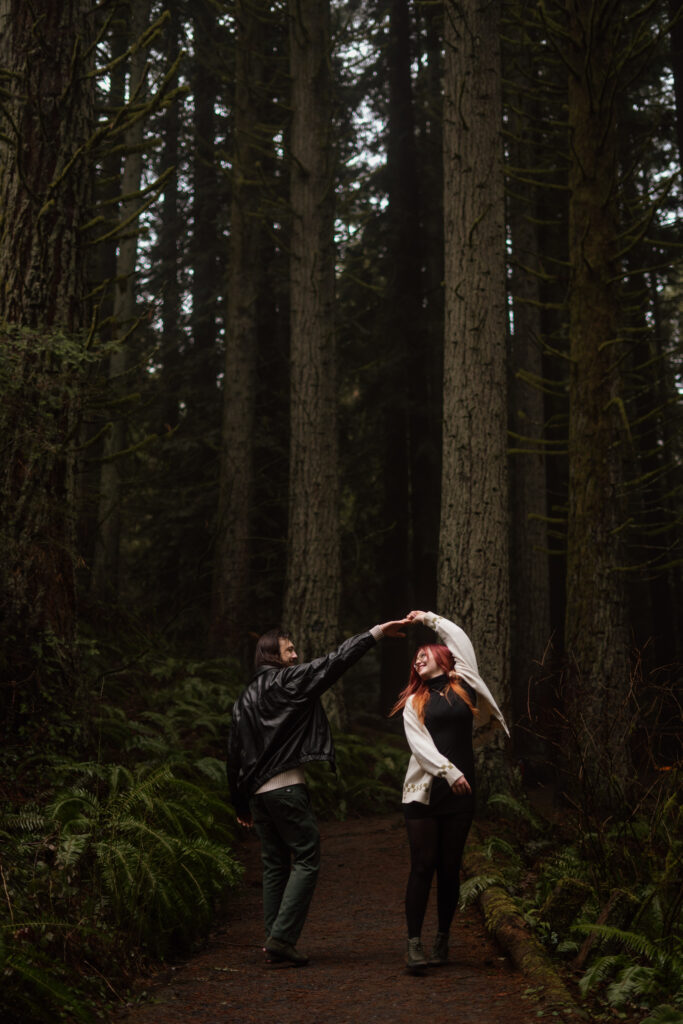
[{"x": 418, "y": 687}]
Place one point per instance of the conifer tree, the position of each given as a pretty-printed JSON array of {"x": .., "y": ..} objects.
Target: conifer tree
[
  {"x": 473, "y": 552},
  {"x": 47, "y": 126},
  {"x": 311, "y": 607}
]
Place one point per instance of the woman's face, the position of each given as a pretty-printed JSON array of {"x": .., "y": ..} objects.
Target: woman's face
[{"x": 425, "y": 664}]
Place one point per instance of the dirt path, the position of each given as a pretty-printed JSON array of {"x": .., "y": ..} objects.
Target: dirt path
[{"x": 355, "y": 938}]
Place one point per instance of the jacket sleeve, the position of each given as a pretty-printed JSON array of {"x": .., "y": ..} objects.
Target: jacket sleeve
[
  {"x": 423, "y": 748},
  {"x": 234, "y": 759},
  {"x": 459, "y": 644},
  {"x": 313, "y": 678}
]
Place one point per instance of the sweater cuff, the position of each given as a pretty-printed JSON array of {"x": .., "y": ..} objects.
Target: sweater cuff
[
  {"x": 453, "y": 774},
  {"x": 377, "y": 633}
]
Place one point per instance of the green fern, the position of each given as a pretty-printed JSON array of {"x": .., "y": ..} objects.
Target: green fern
[
  {"x": 496, "y": 844},
  {"x": 600, "y": 970},
  {"x": 517, "y": 810},
  {"x": 664, "y": 1014},
  {"x": 472, "y": 888},
  {"x": 633, "y": 981}
]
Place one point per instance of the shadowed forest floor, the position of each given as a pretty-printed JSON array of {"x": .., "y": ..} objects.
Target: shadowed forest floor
[{"x": 355, "y": 936}]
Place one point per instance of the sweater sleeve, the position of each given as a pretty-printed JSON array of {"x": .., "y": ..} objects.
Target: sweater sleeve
[
  {"x": 423, "y": 748},
  {"x": 459, "y": 644}
]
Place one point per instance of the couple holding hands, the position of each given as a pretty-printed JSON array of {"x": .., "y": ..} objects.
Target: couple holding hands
[{"x": 278, "y": 724}]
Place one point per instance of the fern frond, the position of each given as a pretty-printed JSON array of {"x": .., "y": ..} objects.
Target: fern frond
[
  {"x": 517, "y": 809},
  {"x": 499, "y": 845},
  {"x": 601, "y": 969},
  {"x": 212, "y": 769},
  {"x": 40, "y": 985},
  {"x": 665, "y": 1014},
  {"x": 634, "y": 942},
  {"x": 472, "y": 888},
  {"x": 633, "y": 984},
  {"x": 72, "y": 848}
]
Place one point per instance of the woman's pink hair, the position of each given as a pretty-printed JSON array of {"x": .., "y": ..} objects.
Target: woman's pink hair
[{"x": 444, "y": 659}]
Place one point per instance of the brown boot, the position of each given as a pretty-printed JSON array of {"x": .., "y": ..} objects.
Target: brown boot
[
  {"x": 439, "y": 955},
  {"x": 415, "y": 957}
]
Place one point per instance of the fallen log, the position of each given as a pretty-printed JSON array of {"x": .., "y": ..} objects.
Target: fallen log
[{"x": 505, "y": 923}]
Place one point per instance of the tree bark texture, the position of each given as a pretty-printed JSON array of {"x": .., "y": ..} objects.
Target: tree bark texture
[
  {"x": 46, "y": 122},
  {"x": 45, "y": 183},
  {"x": 311, "y": 607},
  {"x": 401, "y": 324},
  {"x": 473, "y": 557},
  {"x": 596, "y": 637},
  {"x": 231, "y": 571}
]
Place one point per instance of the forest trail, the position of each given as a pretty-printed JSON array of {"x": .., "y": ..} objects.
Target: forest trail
[{"x": 355, "y": 936}]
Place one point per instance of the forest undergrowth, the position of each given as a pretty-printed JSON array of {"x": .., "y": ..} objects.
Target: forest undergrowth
[{"x": 118, "y": 849}]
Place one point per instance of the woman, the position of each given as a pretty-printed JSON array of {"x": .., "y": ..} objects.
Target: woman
[{"x": 444, "y": 696}]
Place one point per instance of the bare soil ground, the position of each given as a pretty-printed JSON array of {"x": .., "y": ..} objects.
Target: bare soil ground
[{"x": 355, "y": 936}]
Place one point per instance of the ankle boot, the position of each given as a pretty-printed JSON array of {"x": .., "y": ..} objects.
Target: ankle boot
[
  {"x": 439, "y": 955},
  {"x": 415, "y": 957}
]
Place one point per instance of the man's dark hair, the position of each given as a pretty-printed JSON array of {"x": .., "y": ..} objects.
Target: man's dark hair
[{"x": 268, "y": 648}]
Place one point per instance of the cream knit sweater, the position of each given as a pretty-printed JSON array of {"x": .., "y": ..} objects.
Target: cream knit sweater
[{"x": 425, "y": 760}]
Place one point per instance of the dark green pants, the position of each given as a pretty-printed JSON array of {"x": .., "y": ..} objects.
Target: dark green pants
[{"x": 290, "y": 851}]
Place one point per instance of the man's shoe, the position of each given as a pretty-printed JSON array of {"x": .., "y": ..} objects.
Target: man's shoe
[
  {"x": 283, "y": 954},
  {"x": 439, "y": 955},
  {"x": 415, "y": 957}
]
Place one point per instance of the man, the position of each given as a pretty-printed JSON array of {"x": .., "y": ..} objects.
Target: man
[{"x": 278, "y": 724}]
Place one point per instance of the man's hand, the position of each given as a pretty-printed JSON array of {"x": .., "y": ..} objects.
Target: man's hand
[
  {"x": 245, "y": 822},
  {"x": 395, "y": 627}
]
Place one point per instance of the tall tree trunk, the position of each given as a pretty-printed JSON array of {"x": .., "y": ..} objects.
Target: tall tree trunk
[
  {"x": 105, "y": 573},
  {"x": 46, "y": 120},
  {"x": 530, "y": 581},
  {"x": 231, "y": 568},
  {"x": 425, "y": 427},
  {"x": 596, "y": 635},
  {"x": 402, "y": 333},
  {"x": 311, "y": 607},
  {"x": 473, "y": 557}
]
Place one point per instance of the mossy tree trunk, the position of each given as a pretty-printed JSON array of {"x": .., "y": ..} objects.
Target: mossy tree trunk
[
  {"x": 473, "y": 557},
  {"x": 47, "y": 120},
  {"x": 311, "y": 607},
  {"x": 596, "y": 635}
]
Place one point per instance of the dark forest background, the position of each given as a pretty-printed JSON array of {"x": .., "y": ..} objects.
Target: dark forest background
[{"x": 316, "y": 312}]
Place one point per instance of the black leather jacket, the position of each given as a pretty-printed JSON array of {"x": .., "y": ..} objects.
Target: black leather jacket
[{"x": 278, "y": 721}]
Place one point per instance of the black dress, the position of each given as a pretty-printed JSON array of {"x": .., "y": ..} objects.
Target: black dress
[{"x": 449, "y": 722}]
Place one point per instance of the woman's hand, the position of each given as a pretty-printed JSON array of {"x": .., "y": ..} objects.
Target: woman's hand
[
  {"x": 415, "y": 616},
  {"x": 461, "y": 786}
]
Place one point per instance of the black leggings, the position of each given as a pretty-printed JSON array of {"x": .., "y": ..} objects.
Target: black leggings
[{"x": 436, "y": 844}]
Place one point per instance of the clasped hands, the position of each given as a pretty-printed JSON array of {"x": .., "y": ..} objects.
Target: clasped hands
[{"x": 396, "y": 626}]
